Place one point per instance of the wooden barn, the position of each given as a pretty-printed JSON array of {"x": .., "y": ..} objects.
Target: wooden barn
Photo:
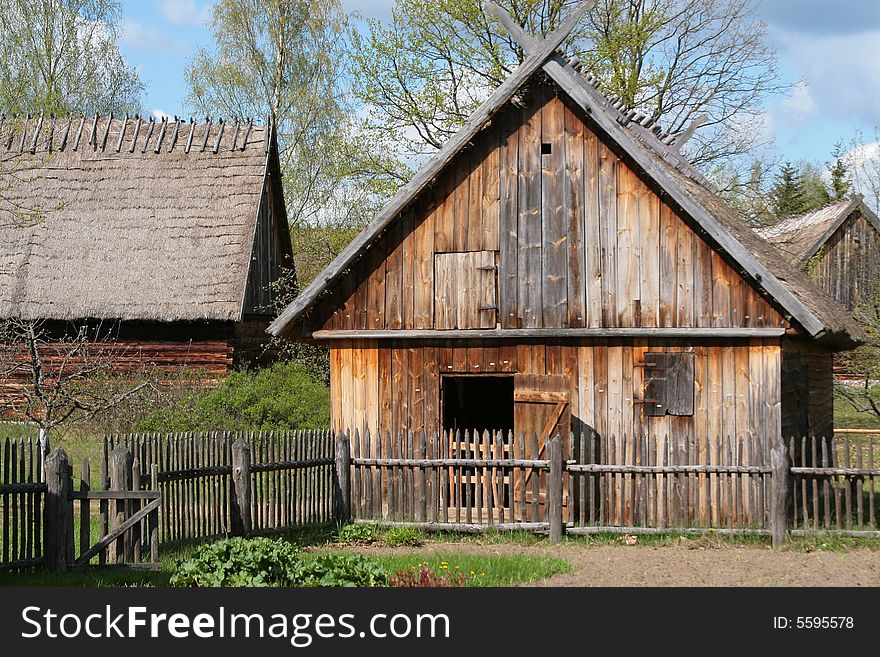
[
  {"x": 838, "y": 246},
  {"x": 559, "y": 264},
  {"x": 169, "y": 233}
]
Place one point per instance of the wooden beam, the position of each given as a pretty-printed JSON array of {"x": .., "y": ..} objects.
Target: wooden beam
[
  {"x": 428, "y": 173},
  {"x": 518, "y": 334}
]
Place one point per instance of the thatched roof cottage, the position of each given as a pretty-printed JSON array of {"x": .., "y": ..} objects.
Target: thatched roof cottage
[
  {"x": 169, "y": 231},
  {"x": 837, "y": 245}
]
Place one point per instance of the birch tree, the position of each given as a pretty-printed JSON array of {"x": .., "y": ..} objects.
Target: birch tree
[{"x": 62, "y": 56}]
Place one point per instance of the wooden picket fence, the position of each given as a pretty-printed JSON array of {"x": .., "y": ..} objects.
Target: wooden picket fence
[
  {"x": 22, "y": 495},
  {"x": 156, "y": 489},
  {"x": 473, "y": 481},
  {"x": 289, "y": 480},
  {"x": 836, "y": 484},
  {"x": 492, "y": 478}
]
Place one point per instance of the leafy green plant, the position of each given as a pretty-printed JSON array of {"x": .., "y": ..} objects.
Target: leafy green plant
[
  {"x": 284, "y": 396},
  {"x": 425, "y": 577},
  {"x": 344, "y": 570},
  {"x": 358, "y": 534},
  {"x": 272, "y": 562},
  {"x": 403, "y": 537},
  {"x": 241, "y": 562}
]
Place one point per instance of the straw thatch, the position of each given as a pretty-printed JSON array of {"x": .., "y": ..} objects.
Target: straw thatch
[
  {"x": 128, "y": 219},
  {"x": 802, "y": 236}
]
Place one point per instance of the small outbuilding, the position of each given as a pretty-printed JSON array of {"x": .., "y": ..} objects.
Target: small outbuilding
[
  {"x": 168, "y": 233},
  {"x": 838, "y": 246},
  {"x": 559, "y": 265}
]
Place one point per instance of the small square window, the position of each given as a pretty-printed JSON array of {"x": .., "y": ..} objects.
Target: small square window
[{"x": 669, "y": 384}]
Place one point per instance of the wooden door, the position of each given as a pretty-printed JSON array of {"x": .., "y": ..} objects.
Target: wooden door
[
  {"x": 465, "y": 290},
  {"x": 541, "y": 408}
]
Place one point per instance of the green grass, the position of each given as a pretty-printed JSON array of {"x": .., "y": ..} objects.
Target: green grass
[
  {"x": 481, "y": 570},
  {"x": 846, "y": 417}
]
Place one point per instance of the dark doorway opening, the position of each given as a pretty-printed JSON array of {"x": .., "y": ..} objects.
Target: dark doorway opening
[
  {"x": 472, "y": 405},
  {"x": 478, "y": 403}
]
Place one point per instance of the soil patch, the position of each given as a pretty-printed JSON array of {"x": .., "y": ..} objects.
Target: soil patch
[{"x": 694, "y": 563}]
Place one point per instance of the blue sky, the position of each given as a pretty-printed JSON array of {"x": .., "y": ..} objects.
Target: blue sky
[{"x": 829, "y": 48}]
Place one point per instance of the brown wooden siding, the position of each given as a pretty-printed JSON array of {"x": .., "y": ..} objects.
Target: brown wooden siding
[
  {"x": 265, "y": 259},
  {"x": 395, "y": 386},
  {"x": 807, "y": 390},
  {"x": 847, "y": 265},
  {"x": 582, "y": 240}
]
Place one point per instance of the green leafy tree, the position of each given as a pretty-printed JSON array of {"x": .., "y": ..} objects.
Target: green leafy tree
[
  {"x": 61, "y": 56},
  {"x": 864, "y": 362},
  {"x": 421, "y": 76}
]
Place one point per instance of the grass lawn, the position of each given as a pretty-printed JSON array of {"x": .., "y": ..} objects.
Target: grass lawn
[
  {"x": 846, "y": 417},
  {"x": 480, "y": 570}
]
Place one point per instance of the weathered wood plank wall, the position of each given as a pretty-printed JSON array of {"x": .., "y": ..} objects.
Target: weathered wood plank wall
[
  {"x": 395, "y": 386},
  {"x": 582, "y": 240},
  {"x": 847, "y": 265}
]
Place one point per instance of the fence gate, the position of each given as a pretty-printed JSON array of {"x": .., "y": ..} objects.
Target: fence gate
[{"x": 127, "y": 532}]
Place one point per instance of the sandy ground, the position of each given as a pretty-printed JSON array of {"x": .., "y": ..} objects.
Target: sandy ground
[{"x": 694, "y": 564}]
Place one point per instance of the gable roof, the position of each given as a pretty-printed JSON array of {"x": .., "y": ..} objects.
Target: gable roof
[
  {"x": 803, "y": 235},
  {"x": 655, "y": 154},
  {"x": 140, "y": 219}
]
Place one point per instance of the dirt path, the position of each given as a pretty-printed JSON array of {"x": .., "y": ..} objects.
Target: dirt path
[{"x": 692, "y": 565}]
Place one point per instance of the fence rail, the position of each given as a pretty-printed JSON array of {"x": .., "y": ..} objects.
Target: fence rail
[{"x": 22, "y": 493}]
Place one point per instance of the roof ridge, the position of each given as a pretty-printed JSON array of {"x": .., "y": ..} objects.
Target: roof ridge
[
  {"x": 644, "y": 128},
  {"x": 625, "y": 113},
  {"x": 74, "y": 131}
]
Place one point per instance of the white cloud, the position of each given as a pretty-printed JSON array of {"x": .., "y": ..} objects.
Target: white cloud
[
  {"x": 186, "y": 12},
  {"x": 159, "y": 114},
  {"x": 843, "y": 72},
  {"x": 799, "y": 104},
  {"x": 147, "y": 39}
]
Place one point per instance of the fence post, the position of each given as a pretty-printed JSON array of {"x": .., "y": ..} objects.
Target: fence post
[
  {"x": 120, "y": 480},
  {"x": 154, "y": 516},
  {"x": 554, "y": 488},
  {"x": 240, "y": 495},
  {"x": 342, "y": 479},
  {"x": 58, "y": 510},
  {"x": 779, "y": 466}
]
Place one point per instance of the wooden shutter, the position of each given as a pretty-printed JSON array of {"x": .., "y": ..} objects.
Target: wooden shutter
[
  {"x": 669, "y": 384},
  {"x": 465, "y": 290}
]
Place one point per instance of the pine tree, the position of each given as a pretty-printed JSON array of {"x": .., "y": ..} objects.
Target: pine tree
[
  {"x": 841, "y": 182},
  {"x": 811, "y": 188},
  {"x": 786, "y": 193}
]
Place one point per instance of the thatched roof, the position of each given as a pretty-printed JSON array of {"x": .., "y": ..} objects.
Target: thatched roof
[
  {"x": 139, "y": 219},
  {"x": 657, "y": 155},
  {"x": 801, "y": 236}
]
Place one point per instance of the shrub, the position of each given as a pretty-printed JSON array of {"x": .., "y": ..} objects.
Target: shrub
[
  {"x": 403, "y": 537},
  {"x": 241, "y": 562},
  {"x": 358, "y": 534},
  {"x": 284, "y": 396},
  {"x": 425, "y": 577},
  {"x": 344, "y": 570}
]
